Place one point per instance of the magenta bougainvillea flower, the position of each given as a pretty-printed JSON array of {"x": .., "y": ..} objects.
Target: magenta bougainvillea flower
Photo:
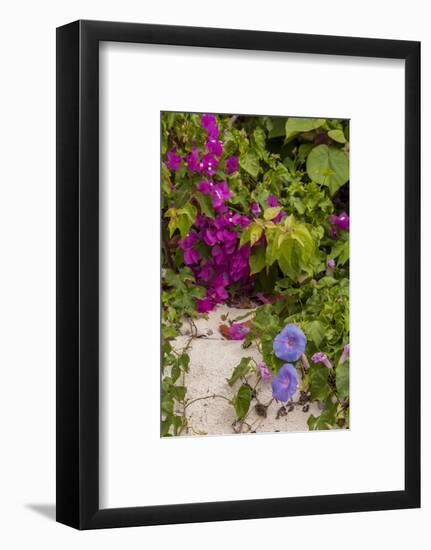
[
  {"x": 191, "y": 255},
  {"x": 214, "y": 146},
  {"x": 255, "y": 208},
  {"x": 209, "y": 123},
  {"x": 208, "y": 120},
  {"x": 219, "y": 193},
  {"x": 173, "y": 161},
  {"x": 205, "y": 186},
  {"x": 285, "y": 383},
  {"x": 321, "y": 357},
  {"x": 339, "y": 223},
  {"x": 209, "y": 164},
  {"x": 231, "y": 164},
  {"x": 264, "y": 371},
  {"x": 345, "y": 354},
  {"x": 192, "y": 161},
  {"x": 273, "y": 202},
  {"x": 238, "y": 331},
  {"x": 227, "y": 263},
  {"x": 212, "y": 248},
  {"x": 190, "y": 239},
  {"x": 205, "y": 272},
  {"x": 290, "y": 343},
  {"x": 205, "y": 305}
]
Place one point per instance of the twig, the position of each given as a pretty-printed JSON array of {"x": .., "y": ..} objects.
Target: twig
[{"x": 214, "y": 396}]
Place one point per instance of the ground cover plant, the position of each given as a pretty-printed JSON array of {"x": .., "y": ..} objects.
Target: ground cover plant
[{"x": 255, "y": 215}]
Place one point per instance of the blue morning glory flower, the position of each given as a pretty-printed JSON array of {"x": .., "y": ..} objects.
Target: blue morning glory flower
[
  {"x": 284, "y": 383},
  {"x": 290, "y": 344}
]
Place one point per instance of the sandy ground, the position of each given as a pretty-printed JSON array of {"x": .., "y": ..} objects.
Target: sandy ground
[{"x": 212, "y": 360}]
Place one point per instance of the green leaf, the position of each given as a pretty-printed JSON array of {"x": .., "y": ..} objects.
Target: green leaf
[
  {"x": 298, "y": 125},
  {"x": 182, "y": 195},
  {"x": 316, "y": 332},
  {"x": 342, "y": 380},
  {"x": 178, "y": 392},
  {"x": 242, "y": 401},
  {"x": 240, "y": 370},
  {"x": 257, "y": 259},
  {"x": 175, "y": 373},
  {"x": 205, "y": 204},
  {"x": 341, "y": 251},
  {"x": 271, "y": 213},
  {"x": 301, "y": 234},
  {"x": 288, "y": 259},
  {"x": 250, "y": 163},
  {"x": 344, "y": 254},
  {"x": 298, "y": 204},
  {"x": 167, "y": 405},
  {"x": 184, "y": 225},
  {"x": 326, "y": 282},
  {"x": 326, "y": 419},
  {"x": 255, "y": 233},
  {"x": 184, "y": 361},
  {"x": 319, "y": 387},
  {"x": 337, "y": 135},
  {"x": 259, "y": 139},
  {"x": 328, "y": 166},
  {"x": 278, "y": 127},
  {"x": 186, "y": 218}
]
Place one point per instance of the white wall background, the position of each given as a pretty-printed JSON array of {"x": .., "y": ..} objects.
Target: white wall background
[{"x": 27, "y": 343}]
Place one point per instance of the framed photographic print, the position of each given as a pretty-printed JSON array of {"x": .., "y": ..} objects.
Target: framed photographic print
[{"x": 238, "y": 274}]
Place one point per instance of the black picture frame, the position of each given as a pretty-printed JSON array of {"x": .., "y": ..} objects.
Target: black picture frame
[{"x": 78, "y": 274}]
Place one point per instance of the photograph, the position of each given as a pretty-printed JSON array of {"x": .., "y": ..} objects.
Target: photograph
[{"x": 254, "y": 273}]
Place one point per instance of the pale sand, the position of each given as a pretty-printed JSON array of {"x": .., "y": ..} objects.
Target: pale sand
[{"x": 212, "y": 360}]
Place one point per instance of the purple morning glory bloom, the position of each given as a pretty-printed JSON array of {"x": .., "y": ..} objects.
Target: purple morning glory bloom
[
  {"x": 290, "y": 344},
  {"x": 285, "y": 383},
  {"x": 264, "y": 371},
  {"x": 321, "y": 357},
  {"x": 330, "y": 264},
  {"x": 238, "y": 331},
  {"x": 173, "y": 159},
  {"x": 231, "y": 164},
  {"x": 214, "y": 146},
  {"x": 219, "y": 193},
  {"x": 272, "y": 201},
  {"x": 345, "y": 354},
  {"x": 255, "y": 208},
  {"x": 209, "y": 164}
]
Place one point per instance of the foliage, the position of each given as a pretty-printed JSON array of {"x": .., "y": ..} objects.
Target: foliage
[{"x": 257, "y": 206}]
